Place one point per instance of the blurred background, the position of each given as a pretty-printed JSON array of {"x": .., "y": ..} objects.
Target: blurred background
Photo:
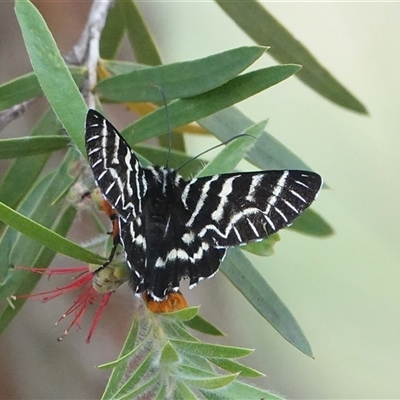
[{"x": 343, "y": 290}]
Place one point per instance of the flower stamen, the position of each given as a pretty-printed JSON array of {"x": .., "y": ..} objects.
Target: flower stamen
[{"x": 88, "y": 295}]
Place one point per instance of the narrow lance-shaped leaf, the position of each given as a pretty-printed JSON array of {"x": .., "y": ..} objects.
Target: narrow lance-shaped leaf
[
  {"x": 169, "y": 355},
  {"x": 263, "y": 248},
  {"x": 139, "y": 36},
  {"x": 51, "y": 71},
  {"x": 10, "y": 236},
  {"x": 179, "y": 80},
  {"x": 118, "y": 372},
  {"x": 233, "y": 366},
  {"x": 31, "y": 145},
  {"x": 26, "y": 282},
  {"x": 267, "y": 153},
  {"x": 265, "y": 30},
  {"x": 26, "y": 87},
  {"x": 241, "y": 272},
  {"x": 199, "y": 324},
  {"x": 124, "y": 358},
  {"x": 117, "y": 67},
  {"x": 184, "y": 392},
  {"x": 311, "y": 223},
  {"x": 46, "y": 237},
  {"x": 190, "y": 109},
  {"x": 42, "y": 204},
  {"x": 232, "y": 154},
  {"x": 185, "y": 314},
  {"x": 113, "y": 31},
  {"x": 126, "y": 389},
  {"x": 210, "y": 350},
  {"x": 150, "y": 385},
  {"x": 12, "y": 194},
  {"x": 240, "y": 390},
  {"x": 160, "y": 394},
  {"x": 212, "y": 383}
]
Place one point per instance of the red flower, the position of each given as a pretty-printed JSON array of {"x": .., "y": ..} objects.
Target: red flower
[
  {"x": 92, "y": 285},
  {"x": 96, "y": 282}
]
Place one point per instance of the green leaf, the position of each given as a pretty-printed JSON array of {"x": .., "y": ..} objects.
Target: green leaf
[
  {"x": 245, "y": 277},
  {"x": 177, "y": 80},
  {"x": 31, "y": 145},
  {"x": 43, "y": 204},
  {"x": 139, "y": 36},
  {"x": 168, "y": 355},
  {"x": 51, "y": 72},
  {"x": 185, "y": 314},
  {"x": 232, "y": 154},
  {"x": 311, "y": 223},
  {"x": 176, "y": 330},
  {"x": 173, "y": 140},
  {"x": 128, "y": 350},
  {"x": 265, "y": 30},
  {"x": 134, "y": 379},
  {"x": 190, "y": 109},
  {"x": 234, "y": 366},
  {"x": 209, "y": 350},
  {"x": 47, "y": 237},
  {"x": 117, "y": 67},
  {"x": 212, "y": 383},
  {"x": 26, "y": 87},
  {"x": 133, "y": 394},
  {"x": 25, "y": 282},
  {"x": 10, "y": 236},
  {"x": 118, "y": 373},
  {"x": 10, "y": 193},
  {"x": 264, "y": 248},
  {"x": 239, "y": 390},
  {"x": 199, "y": 324},
  {"x": 267, "y": 152},
  {"x": 161, "y": 392},
  {"x": 183, "y": 392},
  {"x": 113, "y": 31}
]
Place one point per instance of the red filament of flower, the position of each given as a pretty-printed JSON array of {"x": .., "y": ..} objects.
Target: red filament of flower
[
  {"x": 82, "y": 281},
  {"x": 104, "y": 302},
  {"x": 88, "y": 295}
]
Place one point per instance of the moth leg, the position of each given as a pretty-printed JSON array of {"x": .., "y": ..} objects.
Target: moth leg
[
  {"x": 111, "y": 213},
  {"x": 112, "y": 254}
]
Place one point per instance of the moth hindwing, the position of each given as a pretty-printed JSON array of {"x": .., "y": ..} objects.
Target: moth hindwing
[{"x": 171, "y": 228}]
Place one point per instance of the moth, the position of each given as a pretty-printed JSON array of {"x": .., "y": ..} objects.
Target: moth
[{"x": 172, "y": 228}]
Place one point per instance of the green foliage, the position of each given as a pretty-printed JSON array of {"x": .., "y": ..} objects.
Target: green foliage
[
  {"x": 264, "y": 29},
  {"x": 169, "y": 360},
  {"x": 51, "y": 71},
  {"x": 31, "y": 145},
  {"x": 162, "y": 357},
  {"x": 27, "y": 87},
  {"x": 189, "y": 109},
  {"x": 178, "y": 80}
]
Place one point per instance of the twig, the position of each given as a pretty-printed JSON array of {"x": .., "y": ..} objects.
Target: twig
[
  {"x": 10, "y": 114},
  {"x": 84, "y": 52}
]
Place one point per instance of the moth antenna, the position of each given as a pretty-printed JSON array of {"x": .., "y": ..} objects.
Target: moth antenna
[
  {"x": 215, "y": 147},
  {"x": 164, "y": 98}
]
